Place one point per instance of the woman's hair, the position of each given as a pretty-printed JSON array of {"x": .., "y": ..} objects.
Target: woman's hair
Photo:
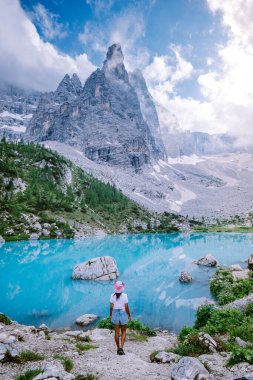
[{"x": 117, "y": 295}]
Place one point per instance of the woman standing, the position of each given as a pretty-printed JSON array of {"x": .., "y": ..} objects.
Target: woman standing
[{"x": 119, "y": 314}]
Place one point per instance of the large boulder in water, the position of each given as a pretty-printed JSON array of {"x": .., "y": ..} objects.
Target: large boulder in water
[
  {"x": 99, "y": 269},
  {"x": 208, "y": 261},
  {"x": 86, "y": 319},
  {"x": 190, "y": 369}
]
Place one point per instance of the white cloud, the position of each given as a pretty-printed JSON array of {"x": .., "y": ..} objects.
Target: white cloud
[
  {"x": 26, "y": 60},
  {"x": 227, "y": 91},
  {"x": 100, "y": 6},
  {"x": 165, "y": 71},
  {"x": 48, "y": 22},
  {"x": 126, "y": 28}
]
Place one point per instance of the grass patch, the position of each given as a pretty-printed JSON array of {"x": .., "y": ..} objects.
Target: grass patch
[
  {"x": 88, "y": 376},
  {"x": 138, "y": 337},
  {"x": 191, "y": 346},
  {"x": 29, "y": 356},
  {"x": 29, "y": 375},
  {"x": 86, "y": 339},
  {"x": 153, "y": 355},
  {"x": 85, "y": 347},
  {"x": 4, "y": 319},
  {"x": 67, "y": 362}
]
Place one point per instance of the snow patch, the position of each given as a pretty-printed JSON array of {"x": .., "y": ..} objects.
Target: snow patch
[
  {"x": 185, "y": 160},
  {"x": 14, "y": 128}
]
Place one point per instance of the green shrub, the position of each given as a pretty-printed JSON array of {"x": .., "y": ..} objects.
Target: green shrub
[
  {"x": 137, "y": 325},
  {"x": 186, "y": 330},
  {"x": 249, "y": 309},
  {"x": 105, "y": 323},
  {"x": 241, "y": 354},
  {"x": 244, "y": 330},
  {"x": 191, "y": 346},
  {"x": 203, "y": 314},
  {"x": 227, "y": 289},
  {"x": 29, "y": 356},
  {"x": 4, "y": 319},
  {"x": 222, "y": 321},
  {"x": 132, "y": 325},
  {"x": 29, "y": 375}
]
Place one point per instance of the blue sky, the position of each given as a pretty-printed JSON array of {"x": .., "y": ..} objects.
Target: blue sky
[
  {"x": 185, "y": 23},
  {"x": 196, "y": 55}
]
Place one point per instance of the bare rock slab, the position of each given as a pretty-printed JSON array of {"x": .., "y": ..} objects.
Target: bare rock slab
[
  {"x": 53, "y": 372},
  {"x": 240, "y": 304},
  {"x": 248, "y": 376},
  {"x": 190, "y": 369},
  {"x": 208, "y": 261},
  {"x": 167, "y": 357},
  {"x": 99, "y": 269},
  {"x": 86, "y": 319}
]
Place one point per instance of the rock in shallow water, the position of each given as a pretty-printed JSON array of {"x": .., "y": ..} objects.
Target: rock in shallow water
[
  {"x": 190, "y": 369},
  {"x": 185, "y": 277},
  {"x": 100, "y": 269},
  {"x": 208, "y": 261},
  {"x": 86, "y": 319}
]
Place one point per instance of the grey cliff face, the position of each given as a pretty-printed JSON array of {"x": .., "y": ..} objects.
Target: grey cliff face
[
  {"x": 16, "y": 109},
  {"x": 104, "y": 120},
  {"x": 147, "y": 106}
]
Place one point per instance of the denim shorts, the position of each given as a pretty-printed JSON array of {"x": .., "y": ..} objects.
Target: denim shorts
[{"x": 119, "y": 317}]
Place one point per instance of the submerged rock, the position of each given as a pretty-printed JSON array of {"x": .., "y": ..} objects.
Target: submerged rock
[
  {"x": 208, "y": 261},
  {"x": 189, "y": 368},
  {"x": 185, "y": 277},
  {"x": 99, "y": 269},
  {"x": 86, "y": 319}
]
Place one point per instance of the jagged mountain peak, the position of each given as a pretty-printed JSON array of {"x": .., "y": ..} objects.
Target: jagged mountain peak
[
  {"x": 114, "y": 63},
  {"x": 68, "y": 87}
]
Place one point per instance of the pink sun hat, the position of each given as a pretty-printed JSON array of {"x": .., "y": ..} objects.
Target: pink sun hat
[{"x": 119, "y": 287}]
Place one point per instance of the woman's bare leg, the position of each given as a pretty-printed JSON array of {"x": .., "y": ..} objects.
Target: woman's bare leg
[
  {"x": 116, "y": 330},
  {"x": 123, "y": 334}
]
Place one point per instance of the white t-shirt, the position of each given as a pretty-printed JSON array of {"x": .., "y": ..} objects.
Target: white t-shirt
[{"x": 120, "y": 302}]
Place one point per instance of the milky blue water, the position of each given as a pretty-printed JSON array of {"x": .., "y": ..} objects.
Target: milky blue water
[{"x": 36, "y": 284}]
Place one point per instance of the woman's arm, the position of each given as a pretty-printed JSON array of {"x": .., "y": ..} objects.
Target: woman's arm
[
  {"x": 128, "y": 311},
  {"x": 111, "y": 309}
]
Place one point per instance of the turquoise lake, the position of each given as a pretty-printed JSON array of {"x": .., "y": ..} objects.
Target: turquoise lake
[{"x": 36, "y": 284}]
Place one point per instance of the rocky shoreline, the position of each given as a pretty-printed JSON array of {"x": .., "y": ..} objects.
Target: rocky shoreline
[{"x": 93, "y": 353}]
